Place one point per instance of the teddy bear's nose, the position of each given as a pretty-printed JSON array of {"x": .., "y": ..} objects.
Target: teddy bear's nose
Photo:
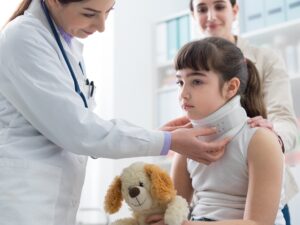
[{"x": 133, "y": 192}]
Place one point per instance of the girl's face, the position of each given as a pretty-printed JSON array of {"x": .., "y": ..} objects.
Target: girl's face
[
  {"x": 81, "y": 19},
  {"x": 215, "y": 17},
  {"x": 200, "y": 93}
]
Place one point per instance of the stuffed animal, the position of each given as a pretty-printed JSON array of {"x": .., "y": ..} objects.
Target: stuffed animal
[{"x": 147, "y": 190}]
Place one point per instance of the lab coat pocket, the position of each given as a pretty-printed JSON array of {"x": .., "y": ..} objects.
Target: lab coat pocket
[{"x": 28, "y": 192}]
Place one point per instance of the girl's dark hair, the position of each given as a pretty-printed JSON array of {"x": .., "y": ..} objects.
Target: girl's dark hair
[
  {"x": 226, "y": 59},
  {"x": 25, "y": 4},
  {"x": 233, "y": 2}
]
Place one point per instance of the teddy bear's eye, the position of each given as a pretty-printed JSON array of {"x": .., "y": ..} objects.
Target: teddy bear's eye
[{"x": 141, "y": 184}]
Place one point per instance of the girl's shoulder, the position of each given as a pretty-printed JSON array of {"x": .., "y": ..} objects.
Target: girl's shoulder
[{"x": 263, "y": 141}]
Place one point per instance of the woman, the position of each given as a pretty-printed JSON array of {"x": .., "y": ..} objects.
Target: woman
[
  {"x": 219, "y": 87},
  {"x": 215, "y": 18},
  {"x": 47, "y": 126}
]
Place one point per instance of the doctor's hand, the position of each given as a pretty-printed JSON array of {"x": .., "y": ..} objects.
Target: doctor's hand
[
  {"x": 181, "y": 122},
  {"x": 185, "y": 142}
]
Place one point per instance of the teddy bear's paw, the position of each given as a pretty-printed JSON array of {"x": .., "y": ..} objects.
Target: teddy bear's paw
[
  {"x": 177, "y": 211},
  {"x": 127, "y": 221}
]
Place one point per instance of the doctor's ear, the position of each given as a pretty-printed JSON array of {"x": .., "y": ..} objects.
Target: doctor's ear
[{"x": 231, "y": 87}]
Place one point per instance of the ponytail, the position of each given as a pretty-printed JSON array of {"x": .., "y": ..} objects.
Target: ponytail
[{"x": 252, "y": 98}]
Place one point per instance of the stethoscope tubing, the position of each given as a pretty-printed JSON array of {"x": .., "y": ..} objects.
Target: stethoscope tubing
[{"x": 61, "y": 47}]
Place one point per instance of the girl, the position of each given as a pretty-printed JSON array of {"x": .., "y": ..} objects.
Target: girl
[
  {"x": 220, "y": 88},
  {"x": 215, "y": 18}
]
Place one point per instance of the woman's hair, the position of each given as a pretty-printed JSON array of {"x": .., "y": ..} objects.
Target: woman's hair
[
  {"x": 233, "y": 2},
  {"x": 25, "y": 4},
  {"x": 226, "y": 59}
]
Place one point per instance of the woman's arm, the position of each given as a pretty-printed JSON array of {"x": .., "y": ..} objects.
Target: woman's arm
[
  {"x": 181, "y": 177},
  {"x": 278, "y": 98}
]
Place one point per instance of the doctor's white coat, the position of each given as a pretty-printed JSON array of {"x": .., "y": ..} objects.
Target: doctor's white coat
[{"x": 46, "y": 133}]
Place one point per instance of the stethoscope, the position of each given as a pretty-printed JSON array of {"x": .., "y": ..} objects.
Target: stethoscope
[{"x": 76, "y": 85}]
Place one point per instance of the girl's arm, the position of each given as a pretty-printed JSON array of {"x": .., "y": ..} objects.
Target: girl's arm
[
  {"x": 181, "y": 177},
  {"x": 265, "y": 164}
]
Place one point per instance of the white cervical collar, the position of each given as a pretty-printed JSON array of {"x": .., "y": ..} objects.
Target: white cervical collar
[{"x": 228, "y": 120}]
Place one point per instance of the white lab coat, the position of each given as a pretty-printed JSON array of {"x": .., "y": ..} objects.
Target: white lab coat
[
  {"x": 45, "y": 130},
  {"x": 278, "y": 99}
]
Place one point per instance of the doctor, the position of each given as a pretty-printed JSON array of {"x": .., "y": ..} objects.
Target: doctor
[{"x": 47, "y": 126}]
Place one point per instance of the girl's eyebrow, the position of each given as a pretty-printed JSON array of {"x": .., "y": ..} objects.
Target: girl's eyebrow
[{"x": 193, "y": 74}]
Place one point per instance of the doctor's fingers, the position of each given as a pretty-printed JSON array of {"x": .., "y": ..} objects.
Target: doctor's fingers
[
  {"x": 204, "y": 131},
  {"x": 181, "y": 122},
  {"x": 172, "y": 128}
]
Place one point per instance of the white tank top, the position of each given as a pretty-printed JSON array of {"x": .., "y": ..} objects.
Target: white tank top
[{"x": 221, "y": 187}]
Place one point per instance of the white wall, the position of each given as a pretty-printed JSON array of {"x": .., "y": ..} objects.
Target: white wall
[{"x": 133, "y": 93}]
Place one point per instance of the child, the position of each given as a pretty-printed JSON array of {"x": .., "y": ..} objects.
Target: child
[{"x": 220, "y": 88}]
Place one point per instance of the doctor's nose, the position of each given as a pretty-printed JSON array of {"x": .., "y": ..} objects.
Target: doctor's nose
[{"x": 100, "y": 24}]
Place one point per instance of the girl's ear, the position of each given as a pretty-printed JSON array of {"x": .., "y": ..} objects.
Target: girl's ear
[{"x": 231, "y": 88}]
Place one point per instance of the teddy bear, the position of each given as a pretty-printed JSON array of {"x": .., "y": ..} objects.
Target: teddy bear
[{"x": 148, "y": 190}]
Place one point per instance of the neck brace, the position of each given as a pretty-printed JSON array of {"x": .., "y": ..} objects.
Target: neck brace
[{"x": 228, "y": 120}]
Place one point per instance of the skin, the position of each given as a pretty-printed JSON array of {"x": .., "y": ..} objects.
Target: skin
[
  {"x": 215, "y": 18},
  {"x": 265, "y": 173},
  {"x": 81, "y": 19}
]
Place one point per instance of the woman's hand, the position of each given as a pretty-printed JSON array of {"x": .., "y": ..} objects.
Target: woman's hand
[
  {"x": 186, "y": 142},
  {"x": 181, "y": 122},
  {"x": 156, "y": 220},
  {"x": 259, "y": 121}
]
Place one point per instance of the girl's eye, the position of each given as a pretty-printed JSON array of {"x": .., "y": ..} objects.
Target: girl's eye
[
  {"x": 179, "y": 83},
  {"x": 197, "y": 82},
  {"x": 88, "y": 15}
]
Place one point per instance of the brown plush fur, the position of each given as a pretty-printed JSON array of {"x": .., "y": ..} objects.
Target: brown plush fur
[
  {"x": 162, "y": 187},
  {"x": 114, "y": 198}
]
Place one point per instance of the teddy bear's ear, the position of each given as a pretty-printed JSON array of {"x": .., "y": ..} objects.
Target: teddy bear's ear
[
  {"x": 162, "y": 186},
  {"x": 114, "y": 198}
]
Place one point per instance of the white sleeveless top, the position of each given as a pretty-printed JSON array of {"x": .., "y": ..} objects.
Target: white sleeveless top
[{"x": 221, "y": 187}]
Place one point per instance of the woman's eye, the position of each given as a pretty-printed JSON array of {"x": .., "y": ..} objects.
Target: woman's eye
[
  {"x": 219, "y": 7},
  {"x": 88, "y": 15},
  {"x": 141, "y": 184},
  {"x": 202, "y": 9}
]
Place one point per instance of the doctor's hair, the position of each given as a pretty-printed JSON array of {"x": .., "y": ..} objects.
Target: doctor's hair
[
  {"x": 233, "y": 2},
  {"x": 24, "y": 5},
  {"x": 226, "y": 59}
]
